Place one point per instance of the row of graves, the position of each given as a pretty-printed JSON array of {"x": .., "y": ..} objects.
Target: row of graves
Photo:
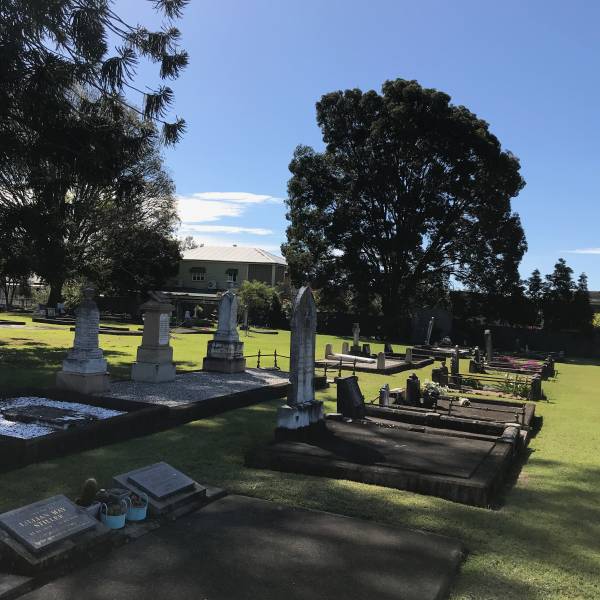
[
  {"x": 157, "y": 532},
  {"x": 87, "y": 409},
  {"x": 360, "y": 358},
  {"x": 433, "y": 441}
]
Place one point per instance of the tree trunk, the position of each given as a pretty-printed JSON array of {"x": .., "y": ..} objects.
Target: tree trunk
[{"x": 56, "y": 286}]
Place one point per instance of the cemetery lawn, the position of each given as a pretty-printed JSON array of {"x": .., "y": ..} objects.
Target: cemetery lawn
[{"x": 544, "y": 543}]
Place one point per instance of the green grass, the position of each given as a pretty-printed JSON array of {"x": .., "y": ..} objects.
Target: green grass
[{"x": 543, "y": 544}]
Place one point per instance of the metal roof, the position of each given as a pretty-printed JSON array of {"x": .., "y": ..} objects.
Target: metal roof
[{"x": 240, "y": 254}]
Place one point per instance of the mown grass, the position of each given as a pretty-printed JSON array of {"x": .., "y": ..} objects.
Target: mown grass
[{"x": 543, "y": 544}]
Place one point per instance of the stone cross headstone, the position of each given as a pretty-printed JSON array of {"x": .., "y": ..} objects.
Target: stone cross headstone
[
  {"x": 488, "y": 345},
  {"x": 154, "y": 362},
  {"x": 429, "y": 331},
  {"x": 356, "y": 338},
  {"x": 84, "y": 369},
  {"x": 225, "y": 351},
  {"x": 302, "y": 410}
]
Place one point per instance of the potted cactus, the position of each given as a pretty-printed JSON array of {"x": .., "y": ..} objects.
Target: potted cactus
[
  {"x": 113, "y": 514},
  {"x": 138, "y": 507},
  {"x": 87, "y": 498}
]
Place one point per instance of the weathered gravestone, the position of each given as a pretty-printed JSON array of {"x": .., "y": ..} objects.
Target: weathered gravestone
[
  {"x": 413, "y": 390},
  {"x": 429, "y": 331},
  {"x": 366, "y": 349},
  {"x": 84, "y": 369},
  {"x": 380, "y": 361},
  {"x": 345, "y": 347},
  {"x": 488, "y": 345},
  {"x": 384, "y": 395},
  {"x": 167, "y": 488},
  {"x": 301, "y": 410},
  {"x": 440, "y": 374},
  {"x": 455, "y": 361},
  {"x": 350, "y": 401},
  {"x": 408, "y": 356},
  {"x": 225, "y": 351},
  {"x": 328, "y": 350},
  {"x": 40, "y": 535},
  {"x": 535, "y": 392},
  {"x": 154, "y": 362}
]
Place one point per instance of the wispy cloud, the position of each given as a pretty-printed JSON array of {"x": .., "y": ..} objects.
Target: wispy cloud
[
  {"x": 203, "y": 207},
  {"x": 232, "y": 229},
  {"x": 584, "y": 251},
  {"x": 240, "y": 197}
]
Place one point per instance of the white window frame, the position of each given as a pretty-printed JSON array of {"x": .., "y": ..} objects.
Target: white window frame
[{"x": 198, "y": 276}]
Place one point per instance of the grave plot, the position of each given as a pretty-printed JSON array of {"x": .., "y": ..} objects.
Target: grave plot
[
  {"x": 39, "y": 424},
  {"x": 199, "y": 394},
  {"x": 247, "y": 548},
  {"x": 467, "y": 468},
  {"x": 389, "y": 367}
]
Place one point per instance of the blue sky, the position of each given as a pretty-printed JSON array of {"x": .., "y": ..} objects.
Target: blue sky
[{"x": 257, "y": 67}]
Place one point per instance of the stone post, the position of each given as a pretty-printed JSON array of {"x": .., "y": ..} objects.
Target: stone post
[
  {"x": 84, "y": 369},
  {"x": 154, "y": 362},
  {"x": 225, "y": 351},
  {"x": 488, "y": 345},
  {"x": 380, "y": 361},
  {"x": 429, "y": 331},
  {"x": 384, "y": 395},
  {"x": 302, "y": 410}
]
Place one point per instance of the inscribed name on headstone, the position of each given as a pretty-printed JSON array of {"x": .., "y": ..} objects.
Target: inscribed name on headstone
[
  {"x": 163, "y": 329},
  {"x": 40, "y": 525},
  {"x": 161, "y": 480}
]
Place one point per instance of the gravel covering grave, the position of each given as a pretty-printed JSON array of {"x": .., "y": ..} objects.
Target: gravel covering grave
[
  {"x": 196, "y": 386},
  {"x": 33, "y": 430}
]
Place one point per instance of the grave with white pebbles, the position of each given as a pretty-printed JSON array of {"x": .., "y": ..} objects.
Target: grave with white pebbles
[{"x": 31, "y": 417}]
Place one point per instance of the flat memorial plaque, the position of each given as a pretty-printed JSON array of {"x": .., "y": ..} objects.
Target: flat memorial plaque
[
  {"x": 42, "y": 524},
  {"x": 161, "y": 480}
]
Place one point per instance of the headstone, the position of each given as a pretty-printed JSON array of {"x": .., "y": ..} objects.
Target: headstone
[
  {"x": 225, "y": 351},
  {"x": 455, "y": 362},
  {"x": 345, "y": 348},
  {"x": 51, "y": 312},
  {"x": 84, "y": 369},
  {"x": 167, "y": 488},
  {"x": 413, "y": 390},
  {"x": 356, "y": 337},
  {"x": 429, "y": 331},
  {"x": 384, "y": 395},
  {"x": 488, "y": 345},
  {"x": 477, "y": 354},
  {"x": 381, "y": 361},
  {"x": 536, "y": 388},
  {"x": 154, "y": 362},
  {"x": 408, "y": 358},
  {"x": 302, "y": 410},
  {"x": 42, "y": 525},
  {"x": 388, "y": 349},
  {"x": 350, "y": 401},
  {"x": 366, "y": 349},
  {"x": 328, "y": 350}
]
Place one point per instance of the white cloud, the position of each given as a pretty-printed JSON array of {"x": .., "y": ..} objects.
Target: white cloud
[
  {"x": 192, "y": 210},
  {"x": 232, "y": 229},
  {"x": 585, "y": 251},
  {"x": 240, "y": 197}
]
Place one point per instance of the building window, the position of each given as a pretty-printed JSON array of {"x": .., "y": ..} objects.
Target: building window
[
  {"x": 198, "y": 273},
  {"x": 231, "y": 275}
]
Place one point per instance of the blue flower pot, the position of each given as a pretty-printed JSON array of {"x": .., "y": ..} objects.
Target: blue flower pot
[{"x": 113, "y": 521}]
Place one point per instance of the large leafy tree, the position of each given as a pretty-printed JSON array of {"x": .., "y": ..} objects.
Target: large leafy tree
[
  {"x": 410, "y": 193},
  {"x": 68, "y": 144}
]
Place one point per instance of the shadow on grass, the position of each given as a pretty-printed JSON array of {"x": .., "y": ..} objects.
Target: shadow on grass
[{"x": 543, "y": 541}]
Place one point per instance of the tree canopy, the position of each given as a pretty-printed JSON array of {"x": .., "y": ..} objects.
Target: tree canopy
[{"x": 410, "y": 193}]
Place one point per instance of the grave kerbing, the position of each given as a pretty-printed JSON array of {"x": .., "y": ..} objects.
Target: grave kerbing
[
  {"x": 302, "y": 410},
  {"x": 154, "y": 362},
  {"x": 84, "y": 370},
  {"x": 225, "y": 351}
]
